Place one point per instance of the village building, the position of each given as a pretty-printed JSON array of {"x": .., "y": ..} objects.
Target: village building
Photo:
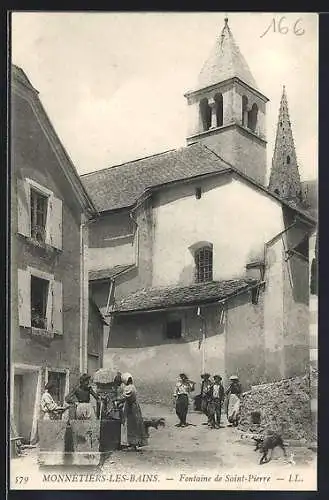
[
  {"x": 50, "y": 213},
  {"x": 196, "y": 263}
]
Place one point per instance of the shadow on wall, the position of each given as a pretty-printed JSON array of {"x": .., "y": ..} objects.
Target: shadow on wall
[{"x": 158, "y": 328}]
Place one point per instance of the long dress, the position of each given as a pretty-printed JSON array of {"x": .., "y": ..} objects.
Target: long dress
[
  {"x": 233, "y": 403},
  {"x": 132, "y": 430}
]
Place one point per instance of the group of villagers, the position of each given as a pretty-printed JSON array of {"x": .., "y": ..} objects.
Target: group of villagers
[
  {"x": 213, "y": 397},
  {"x": 124, "y": 402}
]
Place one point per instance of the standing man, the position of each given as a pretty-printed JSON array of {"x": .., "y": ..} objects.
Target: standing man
[
  {"x": 182, "y": 390},
  {"x": 205, "y": 387},
  {"x": 216, "y": 398}
]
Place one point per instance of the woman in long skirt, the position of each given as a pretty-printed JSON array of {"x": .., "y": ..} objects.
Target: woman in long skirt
[
  {"x": 183, "y": 387},
  {"x": 133, "y": 433},
  {"x": 233, "y": 395}
]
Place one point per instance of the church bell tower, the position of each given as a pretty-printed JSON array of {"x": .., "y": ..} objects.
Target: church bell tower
[{"x": 227, "y": 111}]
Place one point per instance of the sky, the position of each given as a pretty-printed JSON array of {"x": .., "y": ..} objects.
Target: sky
[{"x": 113, "y": 83}]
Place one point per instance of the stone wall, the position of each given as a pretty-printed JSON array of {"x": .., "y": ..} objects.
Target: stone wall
[{"x": 284, "y": 407}]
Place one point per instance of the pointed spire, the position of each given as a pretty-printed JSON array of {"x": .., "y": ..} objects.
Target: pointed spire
[
  {"x": 225, "y": 61},
  {"x": 285, "y": 178}
]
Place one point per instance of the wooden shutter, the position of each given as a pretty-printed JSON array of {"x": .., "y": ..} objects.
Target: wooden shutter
[
  {"x": 24, "y": 298},
  {"x": 49, "y": 216},
  {"x": 49, "y": 307},
  {"x": 24, "y": 207},
  {"x": 58, "y": 307},
  {"x": 56, "y": 223}
]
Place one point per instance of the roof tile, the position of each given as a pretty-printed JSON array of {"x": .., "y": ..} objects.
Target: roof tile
[{"x": 201, "y": 293}]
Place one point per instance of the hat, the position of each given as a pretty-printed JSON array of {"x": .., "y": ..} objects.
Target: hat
[
  {"x": 205, "y": 375},
  {"x": 217, "y": 377},
  {"x": 85, "y": 377},
  {"x": 234, "y": 377}
]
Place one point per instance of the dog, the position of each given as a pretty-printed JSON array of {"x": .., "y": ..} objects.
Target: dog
[
  {"x": 154, "y": 422},
  {"x": 268, "y": 443}
]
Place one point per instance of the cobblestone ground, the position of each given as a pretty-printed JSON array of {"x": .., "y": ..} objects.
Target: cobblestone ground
[{"x": 193, "y": 449}]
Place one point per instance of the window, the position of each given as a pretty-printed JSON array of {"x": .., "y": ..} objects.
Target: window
[
  {"x": 39, "y": 204},
  {"x": 219, "y": 109},
  {"x": 288, "y": 160},
  {"x": 198, "y": 193},
  {"x": 59, "y": 380},
  {"x": 40, "y": 301},
  {"x": 203, "y": 265},
  {"x": 205, "y": 111},
  {"x": 174, "y": 329},
  {"x": 39, "y": 213},
  {"x": 39, "y": 297},
  {"x": 252, "y": 117}
]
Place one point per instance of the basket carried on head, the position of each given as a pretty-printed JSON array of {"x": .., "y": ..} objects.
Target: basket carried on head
[{"x": 104, "y": 378}]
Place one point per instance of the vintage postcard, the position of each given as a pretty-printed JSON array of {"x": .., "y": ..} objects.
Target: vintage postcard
[{"x": 163, "y": 250}]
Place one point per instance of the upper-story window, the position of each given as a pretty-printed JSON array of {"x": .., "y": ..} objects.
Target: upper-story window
[
  {"x": 39, "y": 205},
  {"x": 203, "y": 264},
  {"x": 39, "y": 213},
  {"x": 40, "y": 300}
]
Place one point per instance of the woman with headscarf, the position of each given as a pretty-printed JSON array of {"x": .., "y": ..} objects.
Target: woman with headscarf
[
  {"x": 133, "y": 433},
  {"x": 233, "y": 395},
  {"x": 81, "y": 396},
  {"x": 50, "y": 409},
  {"x": 183, "y": 387}
]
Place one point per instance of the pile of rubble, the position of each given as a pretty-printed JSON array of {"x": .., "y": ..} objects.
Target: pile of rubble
[{"x": 282, "y": 406}]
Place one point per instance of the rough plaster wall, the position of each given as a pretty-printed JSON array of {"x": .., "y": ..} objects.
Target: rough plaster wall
[
  {"x": 138, "y": 345},
  {"x": 273, "y": 312},
  {"x": 295, "y": 317},
  {"x": 111, "y": 241},
  {"x": 218, "y": 217},
  {"x": 245, "y": 354},
  {"x": 114, "y": 255},
  {"x": 242, "y": 149}
]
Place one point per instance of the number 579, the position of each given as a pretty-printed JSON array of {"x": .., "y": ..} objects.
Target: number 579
[{"x": 21, "y": 479}]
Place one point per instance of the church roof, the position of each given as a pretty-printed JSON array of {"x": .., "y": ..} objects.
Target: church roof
[
  {"x": 201, "y": 293},
  {"x": 120, "y": 186},
  {"x": 224, "y": 62}
]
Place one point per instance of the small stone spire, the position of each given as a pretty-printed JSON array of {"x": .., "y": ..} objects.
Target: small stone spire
[{"x": 285, "y": 178}]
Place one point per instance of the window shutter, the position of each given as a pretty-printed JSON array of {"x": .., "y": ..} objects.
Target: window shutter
[
  {"x": 56, "y": 223},
  {"x": 48, "y": 238},
  {"x": 24, "y": 298},
  {"x": 49, "y": 308},
  {"x": 24, "y": 207},
  {"x": 58, "y": 307}
]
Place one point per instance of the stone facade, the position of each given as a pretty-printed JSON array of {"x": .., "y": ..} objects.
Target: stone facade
[{"x": 48, "y": 327}]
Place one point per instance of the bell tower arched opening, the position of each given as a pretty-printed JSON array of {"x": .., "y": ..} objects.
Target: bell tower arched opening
[{"x": 205, "y": 112}]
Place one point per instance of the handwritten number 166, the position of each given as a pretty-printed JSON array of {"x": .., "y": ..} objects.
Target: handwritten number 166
[{"x": 279, "y": 27}]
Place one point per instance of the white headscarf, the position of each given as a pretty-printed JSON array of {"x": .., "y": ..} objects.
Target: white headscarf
[{"x": 125, "y": 377}]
